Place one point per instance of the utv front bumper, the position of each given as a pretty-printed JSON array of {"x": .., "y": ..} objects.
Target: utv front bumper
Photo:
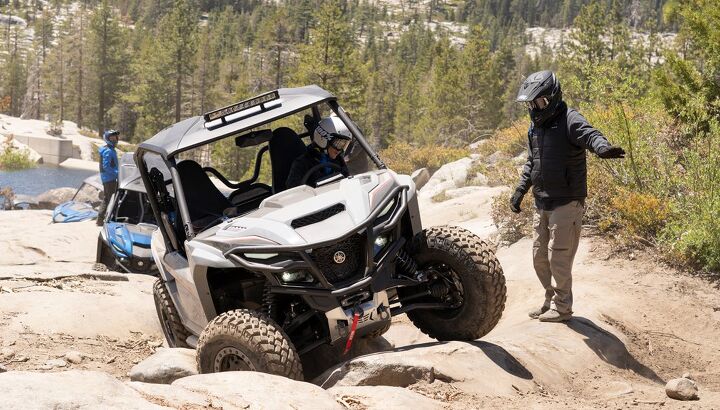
[{"x": 326, "y": 288}]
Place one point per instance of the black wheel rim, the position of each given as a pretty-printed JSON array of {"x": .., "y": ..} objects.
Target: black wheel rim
[{"x": 230, "y": 359}]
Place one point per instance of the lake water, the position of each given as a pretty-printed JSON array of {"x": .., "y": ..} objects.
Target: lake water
[{"x": 38, "y": 180}]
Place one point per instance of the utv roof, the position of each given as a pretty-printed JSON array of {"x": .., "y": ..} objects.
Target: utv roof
[{"x": 194, "y": 132}]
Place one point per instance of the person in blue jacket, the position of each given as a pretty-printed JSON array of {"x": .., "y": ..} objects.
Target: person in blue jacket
[{"x": 108, "y": 170}]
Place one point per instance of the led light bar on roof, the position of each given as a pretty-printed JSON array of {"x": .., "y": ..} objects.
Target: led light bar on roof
[{"x": 259, "y": 101}]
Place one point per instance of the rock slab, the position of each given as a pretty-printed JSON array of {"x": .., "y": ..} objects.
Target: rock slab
[
  {"x": 165, "y": 366},
  {"x": 682, "y": 389},
  {"x": 68, "y": 390},
  {"x": 253, "y": 390},
  {"x": 384, "y": 397}
]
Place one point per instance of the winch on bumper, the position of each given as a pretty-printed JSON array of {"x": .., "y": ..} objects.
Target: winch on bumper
[{"x": 373, "y": 315}]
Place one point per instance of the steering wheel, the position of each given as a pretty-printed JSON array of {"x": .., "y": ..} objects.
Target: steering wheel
[{"x": 317, "y": 167}]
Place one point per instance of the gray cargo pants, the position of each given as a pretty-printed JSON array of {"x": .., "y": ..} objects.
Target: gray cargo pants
[{"x": 556, "y": 238}]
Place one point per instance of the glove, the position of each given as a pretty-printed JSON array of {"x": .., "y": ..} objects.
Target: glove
[
  {"x": 515, "y": 201},
  {"x": 609, "y": 151}
]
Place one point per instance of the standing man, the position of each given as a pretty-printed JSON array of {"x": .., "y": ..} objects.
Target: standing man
[
  {"x": 557, "y": 171},
  {"x": 108, "y": 170}
]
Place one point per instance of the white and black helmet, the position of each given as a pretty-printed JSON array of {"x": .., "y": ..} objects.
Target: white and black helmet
[{"x": 332, "y": 131}]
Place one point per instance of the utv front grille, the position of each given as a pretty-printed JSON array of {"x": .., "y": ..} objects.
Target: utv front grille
[
  {"x": 342, "y": 261},
  {"x": 317, "y": 216}
]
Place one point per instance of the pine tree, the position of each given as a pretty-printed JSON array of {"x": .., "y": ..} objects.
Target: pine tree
[
  {"x": 330, "y": 59},
  {"x": 440, "y": 120},
  {"x": 107, "y": 61},
  {"x": 479, "y": 85},
  {"x": 55, "y": 73},
  {"x": 76, "y": 88},
  {"x": 178, "y": 36},
  {"x": 14, "y": 75}
]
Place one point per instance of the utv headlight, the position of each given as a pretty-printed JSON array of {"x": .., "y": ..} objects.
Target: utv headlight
[
  {"x": 380, "y": 243},
  {"x": 296, "y": 277}
]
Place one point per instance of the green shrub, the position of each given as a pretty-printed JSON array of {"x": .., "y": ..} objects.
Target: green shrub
[
  {"x": 13, "y": 159},
  {"x": 404, "y": 158}
]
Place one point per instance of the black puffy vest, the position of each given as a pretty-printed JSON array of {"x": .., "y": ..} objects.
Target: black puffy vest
[{"x": 559, "y": 167}]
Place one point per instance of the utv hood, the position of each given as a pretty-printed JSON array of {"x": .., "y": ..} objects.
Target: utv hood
[{"x": 303, "y": 215}]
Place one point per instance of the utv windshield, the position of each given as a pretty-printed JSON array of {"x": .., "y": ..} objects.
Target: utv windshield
[{"x": 234, "y": 175}]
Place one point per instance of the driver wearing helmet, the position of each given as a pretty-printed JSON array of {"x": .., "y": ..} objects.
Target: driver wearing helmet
[{"x": 330, "y": 139}]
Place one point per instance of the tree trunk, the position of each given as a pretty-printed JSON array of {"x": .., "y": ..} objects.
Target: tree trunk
[
  {"x": 278, "y": 68},
  {"x": 62, "y": 82},
  {"x": 178, "y": 90},
  {"x": 80, "y": 75},
  {"x": 101, "y": 82}
]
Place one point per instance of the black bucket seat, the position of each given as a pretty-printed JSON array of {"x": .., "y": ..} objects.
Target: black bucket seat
[
  {"x": 285, "y": 146},
  {"x": 204, "y": 200}
]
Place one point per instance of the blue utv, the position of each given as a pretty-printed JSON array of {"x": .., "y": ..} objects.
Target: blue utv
[{"x": 124, "y": 240}]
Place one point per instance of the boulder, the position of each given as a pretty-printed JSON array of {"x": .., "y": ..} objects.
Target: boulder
[
  {"x": 255, "y": 390},
  {"x": 449, "y": 176},
  {"x": 420, "y": 177},
  {"x": 165, "y": 366},
  {"x": 54, "y": 197},
  {"x": 53, "y": 363},
  {"x": 385, "y": 369},
  {"x": 7, "y": 353},
  {"x": 450, "y": 362},
  {"x": 681, "y": 389},
  {"x": 68, "y": 390},
  {"x": 383, "y": 397},
  {"x": 90, "y": 195},
  {"x": 73, "y": 357}
]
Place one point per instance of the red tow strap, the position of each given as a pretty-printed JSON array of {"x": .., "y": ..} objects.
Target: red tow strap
[{"x": 353, "y": 328}]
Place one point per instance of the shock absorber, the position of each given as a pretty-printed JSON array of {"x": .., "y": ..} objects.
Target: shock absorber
[
  {"x": 405, "y": 264},
  {"x": 268, "y": 301}
]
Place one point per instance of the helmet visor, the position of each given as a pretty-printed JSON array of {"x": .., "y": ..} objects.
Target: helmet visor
[
  {"x": 539, "y": 103},
  {"x": 339, "y": 142}
]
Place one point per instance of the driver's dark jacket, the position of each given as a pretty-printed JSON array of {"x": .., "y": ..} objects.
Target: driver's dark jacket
[
  {"x": 313, "y": 156},
  {"x": 556, "y": 167}
]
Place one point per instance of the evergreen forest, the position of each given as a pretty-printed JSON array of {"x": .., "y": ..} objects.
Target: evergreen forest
[{"x": 423, "y": 79}]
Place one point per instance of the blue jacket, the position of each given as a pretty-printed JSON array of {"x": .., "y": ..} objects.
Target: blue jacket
[{"x": 108, "y": 163}]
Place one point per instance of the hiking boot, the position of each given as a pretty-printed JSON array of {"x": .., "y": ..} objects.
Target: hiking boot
[
  {"x": 553, "y": 315},
  {"x": 537, "y": 312}
]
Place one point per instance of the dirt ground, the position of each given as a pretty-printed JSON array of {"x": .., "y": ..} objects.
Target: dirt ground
[{"x": 637, "y": 323}]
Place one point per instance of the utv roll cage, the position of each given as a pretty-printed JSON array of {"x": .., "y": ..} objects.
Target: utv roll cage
[{"x": 233, "y": 120}]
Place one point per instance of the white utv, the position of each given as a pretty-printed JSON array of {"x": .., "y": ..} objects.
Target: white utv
[{"x": 255, "y": 275}]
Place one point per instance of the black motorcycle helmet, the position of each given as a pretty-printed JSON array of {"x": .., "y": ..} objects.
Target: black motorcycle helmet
[{"x": 542, "y": 95}]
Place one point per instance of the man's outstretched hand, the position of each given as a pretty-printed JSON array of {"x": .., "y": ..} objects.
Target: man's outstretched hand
[
  {"x": 610, "y": 151},
  {"x": 515, "y": 201}
]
